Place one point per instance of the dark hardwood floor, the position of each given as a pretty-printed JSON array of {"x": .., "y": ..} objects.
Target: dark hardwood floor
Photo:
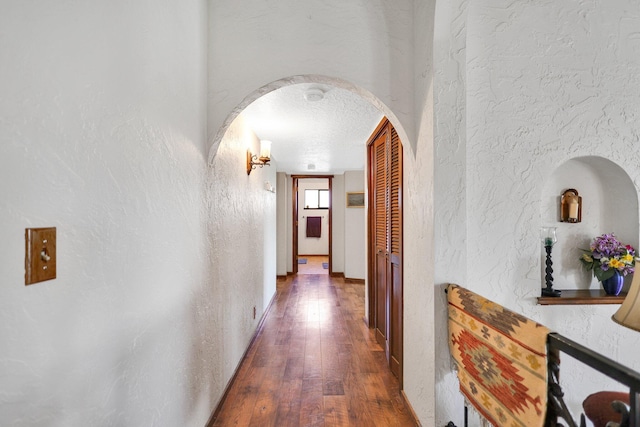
[{"x": 314, "y": 362}]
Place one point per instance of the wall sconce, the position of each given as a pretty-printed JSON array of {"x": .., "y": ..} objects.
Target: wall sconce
[
  {"x": 265, "y": 157},
  {"x": 570, "y": 206},
  {"x": 629, "y": 312}
]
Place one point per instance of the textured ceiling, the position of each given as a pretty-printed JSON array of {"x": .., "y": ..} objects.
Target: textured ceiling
[{"x": 322, "y": 136}]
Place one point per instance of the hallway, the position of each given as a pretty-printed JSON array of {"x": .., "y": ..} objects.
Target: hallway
[{"x": 314, "y": 362}]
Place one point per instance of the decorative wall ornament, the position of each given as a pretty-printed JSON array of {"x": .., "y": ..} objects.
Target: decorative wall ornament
[{"x": 570, "y": 206}]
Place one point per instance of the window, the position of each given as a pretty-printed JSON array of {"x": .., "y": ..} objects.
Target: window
[{"x": 316, "y": 199}]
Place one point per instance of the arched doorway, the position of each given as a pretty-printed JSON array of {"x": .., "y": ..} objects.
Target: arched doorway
[{"x": 358, "y": 100}]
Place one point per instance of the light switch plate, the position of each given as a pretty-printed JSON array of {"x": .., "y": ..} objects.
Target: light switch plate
[{"x": 40, "y": 255}]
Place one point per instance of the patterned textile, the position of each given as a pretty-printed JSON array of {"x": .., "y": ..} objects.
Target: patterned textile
[{"x": 501, "y": 359}]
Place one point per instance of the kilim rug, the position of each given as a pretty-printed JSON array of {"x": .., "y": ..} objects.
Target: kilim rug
[{"x": 501, "y": 359}]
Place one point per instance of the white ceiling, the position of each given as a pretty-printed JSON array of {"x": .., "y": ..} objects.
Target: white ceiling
[{"x": 329, "y": 133}]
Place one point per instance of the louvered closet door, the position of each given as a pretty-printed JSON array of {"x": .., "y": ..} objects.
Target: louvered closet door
[
  {"x": 385, "y": 183},
  {"x": 395, "y": 254},
  {"x": 380, "y": 197}
]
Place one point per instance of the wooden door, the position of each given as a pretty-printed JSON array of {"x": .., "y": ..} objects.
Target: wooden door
[
  {"x": 385, "y": 242},
  {"x": 380, "y": 196},
  {"x": 395, "y": 253}
]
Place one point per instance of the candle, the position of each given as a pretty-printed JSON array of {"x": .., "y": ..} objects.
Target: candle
[
  {"x": 265, "y": 150},
  {"x": 573, "y": 210},
  {"x": 548, "y": 241}
]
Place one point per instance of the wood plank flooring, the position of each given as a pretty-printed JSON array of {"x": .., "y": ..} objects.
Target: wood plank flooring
[
  {"x": 313, "y": 265},
  {"x": 314, "y": 363}
]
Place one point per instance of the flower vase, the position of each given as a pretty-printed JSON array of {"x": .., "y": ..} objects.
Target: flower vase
[{"x": 613, "y": 285}]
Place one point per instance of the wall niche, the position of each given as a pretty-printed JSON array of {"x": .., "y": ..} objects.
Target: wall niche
[{"x": 609, "y": 205}]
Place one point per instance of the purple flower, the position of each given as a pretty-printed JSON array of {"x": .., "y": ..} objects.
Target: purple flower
[{"x": 606, "y": 255}]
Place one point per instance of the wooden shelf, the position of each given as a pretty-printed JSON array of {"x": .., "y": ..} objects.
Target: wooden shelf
[{"x": 582, "y": 297}]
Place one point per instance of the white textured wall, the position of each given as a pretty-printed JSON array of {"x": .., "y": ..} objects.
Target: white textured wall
[
  {"x": 266, "y": 210},
  {"x": 103, "y": 135},
  {"x": 337, "y": 223},
  {"x": 420, "y": 385},
  {"x": 242, "y": 232},
  {"x": 536, "y": 85},
  {"x": 289, "y": 212},
  {"x": 450, "y": 179},
  {"x": 283, "y": 207},
  {"x": 365, "y": 44},
  {"x": 355, "y": 240}
]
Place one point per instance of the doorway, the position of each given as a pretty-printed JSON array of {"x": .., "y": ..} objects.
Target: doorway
[
  {"x": 312, "y": 224},
  {"x": 385, "y": 242}
]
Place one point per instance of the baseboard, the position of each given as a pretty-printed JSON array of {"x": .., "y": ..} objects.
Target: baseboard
[
  {"x": 347, "y": 279},
  {"x": 413, "y": 413},
  {"x": 216, "y": 411},
  {"x": 282, "y": 277}
]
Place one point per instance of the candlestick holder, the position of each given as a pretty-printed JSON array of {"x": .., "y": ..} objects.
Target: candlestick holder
[{"x": 549, "y": 238}]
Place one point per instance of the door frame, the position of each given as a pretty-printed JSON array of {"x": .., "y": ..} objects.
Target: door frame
[{"x": 295, "y": 208}]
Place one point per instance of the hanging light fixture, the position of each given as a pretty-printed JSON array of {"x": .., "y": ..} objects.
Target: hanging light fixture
[
  {"x": 629, "y": 312},
  {"x": 265, "y": 156}
]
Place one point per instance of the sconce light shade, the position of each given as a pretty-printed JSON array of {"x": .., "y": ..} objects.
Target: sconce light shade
[
  {"x": 629, "y": 312},
  {"x": 571, "y": 206},
  {"x": 265, "y": 157},
  {"x": 265, "y": 151}
]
